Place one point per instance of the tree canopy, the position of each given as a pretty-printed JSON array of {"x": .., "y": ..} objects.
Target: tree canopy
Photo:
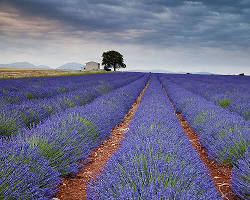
[{"x": 112, "y": 59}]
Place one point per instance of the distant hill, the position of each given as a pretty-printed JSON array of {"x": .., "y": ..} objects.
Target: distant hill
[
  {"x": 169, "y": 72},
  {"x": 72, "y": 66},
  {"x": 43, "y": 67},
  {"x": 204, "y": 73},
  {"x": 153, "y": 70},
  {"x": 24, "y": 65}
]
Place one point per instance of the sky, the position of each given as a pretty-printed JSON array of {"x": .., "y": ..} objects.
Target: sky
[{"x": 173, "y": 35}]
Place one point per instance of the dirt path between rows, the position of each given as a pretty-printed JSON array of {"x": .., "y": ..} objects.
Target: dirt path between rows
[
  {"x": 220, "y": 174},
  {"x": 74, "y": 187}
]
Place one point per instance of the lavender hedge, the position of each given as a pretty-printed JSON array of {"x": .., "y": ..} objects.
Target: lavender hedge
[
  {"x": 61, "y": 142},
  {"x": 224, "y": 134},
  {"x": 15, "y": 91},
  {"x": 24, "y": 174},
  {"x": 230, "y": 92},
  {"x": 241, "y": 177},
  {"x": 155, "y": 160},
  {"x": 68, "y": 137},
  {"x": 14, "y": 117}
]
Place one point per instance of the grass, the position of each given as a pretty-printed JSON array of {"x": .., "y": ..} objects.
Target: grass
[
  {"x": 224, "y": 102},
  {"x": 26, "y": 72}
]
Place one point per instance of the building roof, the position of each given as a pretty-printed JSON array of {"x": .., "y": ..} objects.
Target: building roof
[{"x": 92, "y": 62}]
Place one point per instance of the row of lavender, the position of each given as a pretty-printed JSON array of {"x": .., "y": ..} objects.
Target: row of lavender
[
  {"x": 15, "y": 91},
  {"x": 224, "y": 134},
  {"x": 155, "y": 159},
  {"x": 15, "y": 117},
  {"x": 230, "y": 92},
  {"x": 32, "y": 162}
]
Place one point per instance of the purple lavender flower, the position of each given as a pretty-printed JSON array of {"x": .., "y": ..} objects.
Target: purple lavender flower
[
  {"x": 33, "y": 160},
  {"x": 155, "y": 160},
  {"x": 24, "y": 174},
  {"x": 241, "y": 177},
  {"x": 34, "y": 110},
  {"x": 223, "y": 133}
]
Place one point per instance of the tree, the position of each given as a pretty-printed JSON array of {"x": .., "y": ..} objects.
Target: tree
[{"x": 112, "y": 59}]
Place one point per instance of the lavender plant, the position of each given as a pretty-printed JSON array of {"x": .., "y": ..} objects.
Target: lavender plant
[
  {"x": 17, "y": 90},
  {"x": 224, "y": 134},
  {"x": 24, "y": 174},
  {"x": 68, "y": 137},
  {"x": 230, "y": 92},
  {"x": 32, "y": 162},
  {"x": 9, "y": 122},
  {"x": 155, "y": 160},
  {"x": 31, "y": 89},
  {"x": 241, "y": 177},
  {"x": 30, "y": 113}
]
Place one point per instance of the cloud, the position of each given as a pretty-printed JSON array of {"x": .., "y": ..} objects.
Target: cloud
[
  {"x": 59, "y": 28},
  {"x": 159, "y": 22}
]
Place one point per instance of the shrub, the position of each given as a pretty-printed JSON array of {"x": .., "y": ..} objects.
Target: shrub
[
  {"x": 241, "y": 177},
  {"x": 155, "y": 160},
  {"x": 64, "y": 143},
  {"x": 224, "y": 102},
  {"x": 24, "y": 174}
]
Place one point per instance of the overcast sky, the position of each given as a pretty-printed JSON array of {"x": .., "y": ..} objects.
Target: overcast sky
[{"x": 174, "y": 35}]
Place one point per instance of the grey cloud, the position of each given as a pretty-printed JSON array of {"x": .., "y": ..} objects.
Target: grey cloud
[{"x": 159, "y": 22}]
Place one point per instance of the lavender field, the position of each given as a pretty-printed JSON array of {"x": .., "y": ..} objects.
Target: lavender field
[{"x": 50, "y": 125}]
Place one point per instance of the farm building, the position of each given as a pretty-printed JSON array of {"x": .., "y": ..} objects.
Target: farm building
[{"x": 91, "y": 66}]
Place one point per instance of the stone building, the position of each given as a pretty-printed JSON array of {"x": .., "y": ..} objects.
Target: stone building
[{"x": 91, "y": 66}]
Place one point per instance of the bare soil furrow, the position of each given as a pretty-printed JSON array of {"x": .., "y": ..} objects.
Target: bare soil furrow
[
  {"x": 74, "y": 187},
  {"x": 221, "y": 174}
]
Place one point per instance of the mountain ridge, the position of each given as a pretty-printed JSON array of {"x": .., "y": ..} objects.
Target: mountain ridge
[
  {"x": 25, "y": 65},
  {"x": 78, "y": 66},
  {"x": 71, "y": 65}
]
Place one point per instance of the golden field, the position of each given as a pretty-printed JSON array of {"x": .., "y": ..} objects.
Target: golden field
[{"x": 6, "y": 72}]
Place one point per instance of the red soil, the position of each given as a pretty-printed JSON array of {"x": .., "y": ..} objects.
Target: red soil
[
  {"x": 74, "y": 187},
  {"x": 221, "y": 174}
]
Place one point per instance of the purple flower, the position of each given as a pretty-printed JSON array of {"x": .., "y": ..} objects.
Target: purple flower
[{"x": 155, "y": 159}]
